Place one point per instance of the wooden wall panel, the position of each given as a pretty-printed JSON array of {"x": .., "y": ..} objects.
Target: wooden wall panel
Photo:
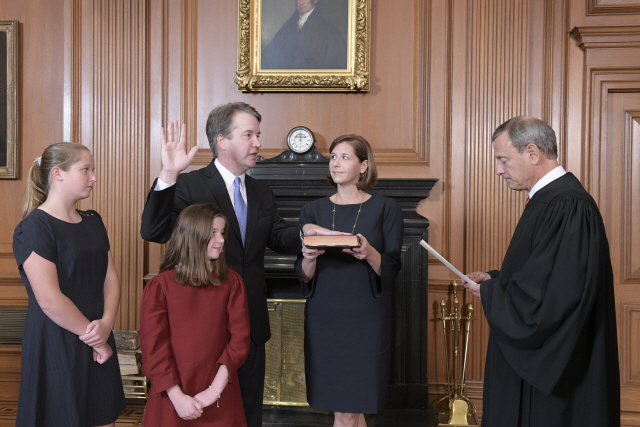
[
  {"x": 444, "y": 75},
  {"x": 113, "y": 124},
  {"x": 611, "y": 152},
  {"x": 40, "y": 111},
  {"x": 507, "y": 58},
  {"x": 614, "y": 7},
  {"x": 497, "y": 83}
]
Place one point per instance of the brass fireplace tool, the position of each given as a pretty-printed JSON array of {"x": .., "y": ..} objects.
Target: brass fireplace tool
[{"x": 455, "y": 409}]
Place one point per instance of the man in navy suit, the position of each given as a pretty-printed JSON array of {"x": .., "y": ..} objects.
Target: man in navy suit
[{"x": 233, "y": 130}]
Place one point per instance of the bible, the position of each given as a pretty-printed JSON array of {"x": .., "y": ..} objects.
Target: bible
[{"x": 322, "y": 242}]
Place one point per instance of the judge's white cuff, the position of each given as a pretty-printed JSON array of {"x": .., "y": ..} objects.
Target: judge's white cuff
[{"x": 161, "y": 185}]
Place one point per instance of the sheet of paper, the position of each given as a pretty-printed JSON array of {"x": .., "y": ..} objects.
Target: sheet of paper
[{"x": 445, "y": 262}]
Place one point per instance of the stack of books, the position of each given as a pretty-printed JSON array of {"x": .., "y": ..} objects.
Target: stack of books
[{"x": 128, "y": 346}]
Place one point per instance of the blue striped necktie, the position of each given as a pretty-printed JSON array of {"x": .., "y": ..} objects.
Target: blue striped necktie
[{"x": 240, "y": 207}]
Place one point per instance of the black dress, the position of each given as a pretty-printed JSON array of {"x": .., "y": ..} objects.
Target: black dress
[
  {"x": 348, "y": 309},
  {"x": 60, "y": 383}
]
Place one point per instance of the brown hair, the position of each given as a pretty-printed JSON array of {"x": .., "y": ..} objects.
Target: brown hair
[
  {"x": 62, "y": 155},
  {"x": 220, "y": 121},
  {"x": 363, "y": 152},
  {"x": 187, "y": 250}
]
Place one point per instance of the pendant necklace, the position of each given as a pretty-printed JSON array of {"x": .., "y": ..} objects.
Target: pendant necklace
[{"x": 333, "y": 221}]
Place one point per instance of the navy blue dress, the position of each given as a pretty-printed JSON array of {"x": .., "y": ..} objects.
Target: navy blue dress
[
  {"x": 348, "y": 309},
  {"x": 60, "y": 383}
]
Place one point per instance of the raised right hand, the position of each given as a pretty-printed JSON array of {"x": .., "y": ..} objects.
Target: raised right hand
[
  {"x": 174, "y": 157},
  {"x": 186, "y": 406}
]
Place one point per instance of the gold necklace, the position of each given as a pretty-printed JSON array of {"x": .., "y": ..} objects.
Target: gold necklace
[{"x": 333, "y": 221}]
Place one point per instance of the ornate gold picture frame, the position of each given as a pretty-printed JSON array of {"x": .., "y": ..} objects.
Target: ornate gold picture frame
[
  {"x": 282, "y": 46},
  {"x": 8, "y": 100}
]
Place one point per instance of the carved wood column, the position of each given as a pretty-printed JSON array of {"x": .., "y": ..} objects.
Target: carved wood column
[{"x": 113, "y": 122}]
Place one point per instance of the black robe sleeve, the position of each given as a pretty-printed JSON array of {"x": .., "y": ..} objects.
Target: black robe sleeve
[{"x": 538, "y": 310}]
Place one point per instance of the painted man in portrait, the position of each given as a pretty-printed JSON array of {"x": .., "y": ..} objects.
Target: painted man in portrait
[{"x": 306, "y": 41}]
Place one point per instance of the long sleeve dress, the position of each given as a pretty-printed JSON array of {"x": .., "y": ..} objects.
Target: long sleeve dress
[
  {"x": 348, "y": 310},
  {"x": 186, "y": 333},
  {"x": 60, "y": 383}
]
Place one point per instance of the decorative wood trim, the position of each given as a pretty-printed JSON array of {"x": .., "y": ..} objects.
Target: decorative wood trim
[
  {"x": 13, "y": 293},
  {"x": 423, "y": 81},
  {"x": 382, "y": 156},
  {"x": 629, "y": 419},
  {"x": 498, "y": 50},
  {"x": 630, "y": 345},
  {"x": 189, "y": 96},
  {"x": 607, "y": 37},
  {"x": 555, "y": 86},
  {"x": 630, "y": 190},
  {"x": 606, "y": 7},
  {"x": 72, "y": 70},
  {"x": 115, "y": 97}
]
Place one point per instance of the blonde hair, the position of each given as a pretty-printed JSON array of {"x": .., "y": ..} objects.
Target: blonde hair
[
  {"x": 62, "y": 155},
  {"x": 187, "y": 250}
]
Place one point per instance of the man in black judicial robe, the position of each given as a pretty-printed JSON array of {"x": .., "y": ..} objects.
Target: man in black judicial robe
[{"x": 552, "y": 356}]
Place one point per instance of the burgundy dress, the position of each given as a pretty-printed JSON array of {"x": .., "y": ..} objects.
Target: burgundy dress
[{"x": 186, "y": 333}]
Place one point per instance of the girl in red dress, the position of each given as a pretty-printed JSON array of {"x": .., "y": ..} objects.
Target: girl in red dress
[{"x": 194, "y": 328}]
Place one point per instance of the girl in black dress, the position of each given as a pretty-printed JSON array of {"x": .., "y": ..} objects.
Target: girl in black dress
[
  {"x": 348, "y": 309},
  {"x": 69, "y": 374}
]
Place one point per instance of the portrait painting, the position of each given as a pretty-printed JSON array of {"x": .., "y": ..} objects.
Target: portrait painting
[
  {"x": 303, "y": 45},
  {"x": 304, "y": 34},
  {"x": 8, "y": 100}
]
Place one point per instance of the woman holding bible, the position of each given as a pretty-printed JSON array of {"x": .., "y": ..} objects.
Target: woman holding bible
[{"x": 348, "y": 309}]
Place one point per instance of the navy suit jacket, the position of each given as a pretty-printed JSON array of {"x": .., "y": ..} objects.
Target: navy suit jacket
[{"x": 265, "y": 228}]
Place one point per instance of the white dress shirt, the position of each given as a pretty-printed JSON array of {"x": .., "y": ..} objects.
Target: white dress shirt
[
  {"x": 547, "y": 179},
  {"x": 303, "y": 18},
  {"x": 228, "y": 179}
]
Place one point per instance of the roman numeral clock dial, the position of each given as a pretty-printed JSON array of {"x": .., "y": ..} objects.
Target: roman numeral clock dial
[{"x": 300, "y": 140}]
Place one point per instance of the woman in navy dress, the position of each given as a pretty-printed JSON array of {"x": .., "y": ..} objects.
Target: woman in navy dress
[
  {"x": 69, "y": 373},
  {"x": 348, "y": 309}
]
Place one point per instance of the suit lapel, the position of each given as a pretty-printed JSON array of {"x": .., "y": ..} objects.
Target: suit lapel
[{"x": 219, "y": 189}]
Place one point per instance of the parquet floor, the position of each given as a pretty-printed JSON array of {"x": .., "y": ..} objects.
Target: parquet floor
[{"x": 272, "y": 417}]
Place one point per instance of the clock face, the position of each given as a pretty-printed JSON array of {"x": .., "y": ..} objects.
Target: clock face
[{"x": 300, "y": 139}]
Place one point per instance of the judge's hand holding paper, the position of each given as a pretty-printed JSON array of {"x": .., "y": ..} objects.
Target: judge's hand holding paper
[{"x": 471, "y": 282}]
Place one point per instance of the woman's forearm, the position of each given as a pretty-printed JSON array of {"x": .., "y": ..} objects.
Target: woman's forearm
[
  {"x": 375, "y": 261},
  {"x": 307, "y": 269},
  {"x": 64, "y": 313},
  {"x": 221, "y": 380},
  {"x": 111, "y": 293},
  {"x": 43, "y": 277}
]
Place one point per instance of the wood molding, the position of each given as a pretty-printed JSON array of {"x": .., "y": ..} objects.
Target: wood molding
[
  {"x": 630, "y": 265},
  {"x": 422, "y": 85},
  {"x": 114, "y": 100},
  {"x": 9, "y": 372},
  {"x": 607, "y": 37},
  {"x": 189, "y": 110},
  {"x": 630, "y": 345},
  {"x": 612, "y": 7}
]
